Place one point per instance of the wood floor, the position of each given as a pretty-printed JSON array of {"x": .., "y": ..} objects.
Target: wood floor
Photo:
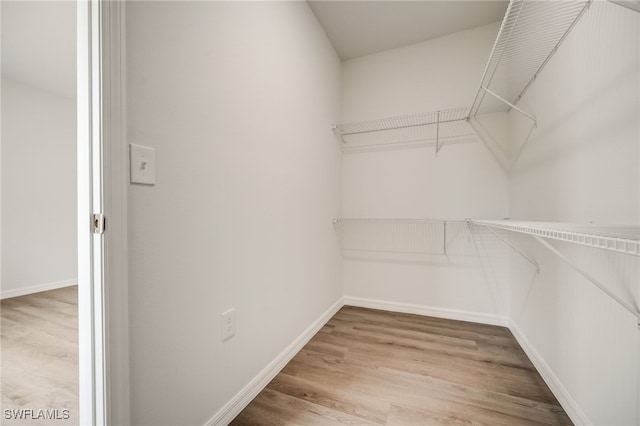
[
  {"x": 375, "y": 367},
  {"x": 40, "y": 356}
]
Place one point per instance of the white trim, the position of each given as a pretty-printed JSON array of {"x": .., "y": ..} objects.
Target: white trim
[
  {"x": 569, "y": 404},
  {"x": 91, "y": 326},
  {"x": 115, "y": 157},
  {"x": 232, "y": 408},
  {"x": 429, "y": 311},
  {"x": 7, "y": 294}
]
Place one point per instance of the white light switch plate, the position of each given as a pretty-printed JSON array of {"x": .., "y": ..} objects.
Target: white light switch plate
[{"x": 142, "y": 161}]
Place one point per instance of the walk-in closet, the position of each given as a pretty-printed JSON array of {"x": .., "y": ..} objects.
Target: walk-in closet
[{"x": 374, "y": 212}]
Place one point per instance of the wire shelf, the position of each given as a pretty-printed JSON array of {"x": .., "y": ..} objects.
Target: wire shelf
[
  {"x": 436, "y": 128},
  {"x": 403, "y": 239},
  {"x": 614, "y": 238},
  {"x": 530, "y": 34}
]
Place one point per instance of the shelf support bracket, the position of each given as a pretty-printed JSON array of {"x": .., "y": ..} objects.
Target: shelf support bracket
[
  {"x": 338, "y": 134},
  {"x": 634, "y": 311},
  {"x": 444, "y": 237},
  {"x": 520, "y": 110},
  {"x": 524, "y": 143},
  {"x": 437, "y": 132},
  {"x": 525, "y": 257}
]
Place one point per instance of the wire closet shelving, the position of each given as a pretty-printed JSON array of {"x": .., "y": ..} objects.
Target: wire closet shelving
[
  {"x": 614, "y": 238},
  {"x": 530, "y": 34},
  {"x": 394, "y": 239},
  {"x": 403, "y": 238},
  {"x": 436, "y": 128},
  {"x": 619, "y": 239}
]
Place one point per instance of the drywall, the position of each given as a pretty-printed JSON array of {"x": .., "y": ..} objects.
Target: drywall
[
  {"x": 462, "y": 181},
  {"x": 38, "y": 190},
  {"x": 583, "y": 165},
  {"x": 238, "y": 100}
]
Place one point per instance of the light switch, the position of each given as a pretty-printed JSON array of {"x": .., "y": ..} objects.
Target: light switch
[{"x": 142, "y": 161}]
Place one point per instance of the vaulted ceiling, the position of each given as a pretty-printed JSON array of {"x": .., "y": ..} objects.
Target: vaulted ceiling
[{"x": 358, "y": 28}]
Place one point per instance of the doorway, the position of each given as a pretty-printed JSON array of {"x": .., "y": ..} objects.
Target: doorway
[
  {"x": 66, "y": 380},
  {"x": 39, "y": 279}
]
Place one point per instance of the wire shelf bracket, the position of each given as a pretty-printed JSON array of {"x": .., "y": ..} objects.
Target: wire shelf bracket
[
  {"x": 597, "y": 283},
  {"x": 624, "y": 240},
  {"x": 525, "y": 257}
]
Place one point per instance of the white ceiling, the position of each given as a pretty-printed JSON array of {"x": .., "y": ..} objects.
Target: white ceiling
[
  {"x": 39, "y": 44},
  {"x": 358, "y": 28}
]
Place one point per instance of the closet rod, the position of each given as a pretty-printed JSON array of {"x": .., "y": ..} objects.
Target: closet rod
[
  {"x": 407, "y": 126},
  {"x": 395, "y": 220}
]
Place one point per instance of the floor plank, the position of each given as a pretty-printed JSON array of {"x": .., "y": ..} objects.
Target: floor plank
[
  {"x": 39, "y": 348},
  {"x": 375, "y": 367}
]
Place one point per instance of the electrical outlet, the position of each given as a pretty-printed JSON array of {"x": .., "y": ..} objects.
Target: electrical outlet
[{"x": 228, "y": 324}]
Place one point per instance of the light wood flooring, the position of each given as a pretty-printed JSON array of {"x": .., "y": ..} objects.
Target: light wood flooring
[
  {"x": 39, "y": 337},
  {"x": 375, "y": 367}
]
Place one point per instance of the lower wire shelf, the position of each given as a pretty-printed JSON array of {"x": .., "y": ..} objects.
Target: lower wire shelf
[
  {"x": 621, "y": 239},
  {"x": 403, "y": 238},
  {"x": 423, "y": 240}
]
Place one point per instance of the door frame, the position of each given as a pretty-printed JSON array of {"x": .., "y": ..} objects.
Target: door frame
[{"x": 102, "y": 189}]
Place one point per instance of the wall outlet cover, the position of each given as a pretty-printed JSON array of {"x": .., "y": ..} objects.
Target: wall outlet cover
[{"x": 228, "y": 324}]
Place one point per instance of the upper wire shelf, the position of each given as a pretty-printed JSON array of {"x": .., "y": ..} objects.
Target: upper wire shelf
[
  {"x": 530, "y": 34},
  {"x": 436, "y": 128},
  {"x": 614, "y": 238}
]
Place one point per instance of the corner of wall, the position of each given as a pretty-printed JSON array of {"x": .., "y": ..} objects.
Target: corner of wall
[{"x": 232, "y": 408}]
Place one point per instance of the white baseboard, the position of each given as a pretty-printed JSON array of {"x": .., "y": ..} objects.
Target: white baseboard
[
  {"x": 7, "y": 294},
  {"x": 232, "y": 408},
  {"x": 429, "y": 311},
  {"x": 569, "y": 404}
]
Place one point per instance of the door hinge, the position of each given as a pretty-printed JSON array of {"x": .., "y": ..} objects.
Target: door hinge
[{"x": 98, "y": 223}]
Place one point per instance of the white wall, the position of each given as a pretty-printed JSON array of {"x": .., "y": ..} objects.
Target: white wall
[
  {"x": 583, "y": 165},
  {"x": 462, "y": 181},
  {"x": 38, "y": 190},
  {"x": 238, "y": 100}
]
